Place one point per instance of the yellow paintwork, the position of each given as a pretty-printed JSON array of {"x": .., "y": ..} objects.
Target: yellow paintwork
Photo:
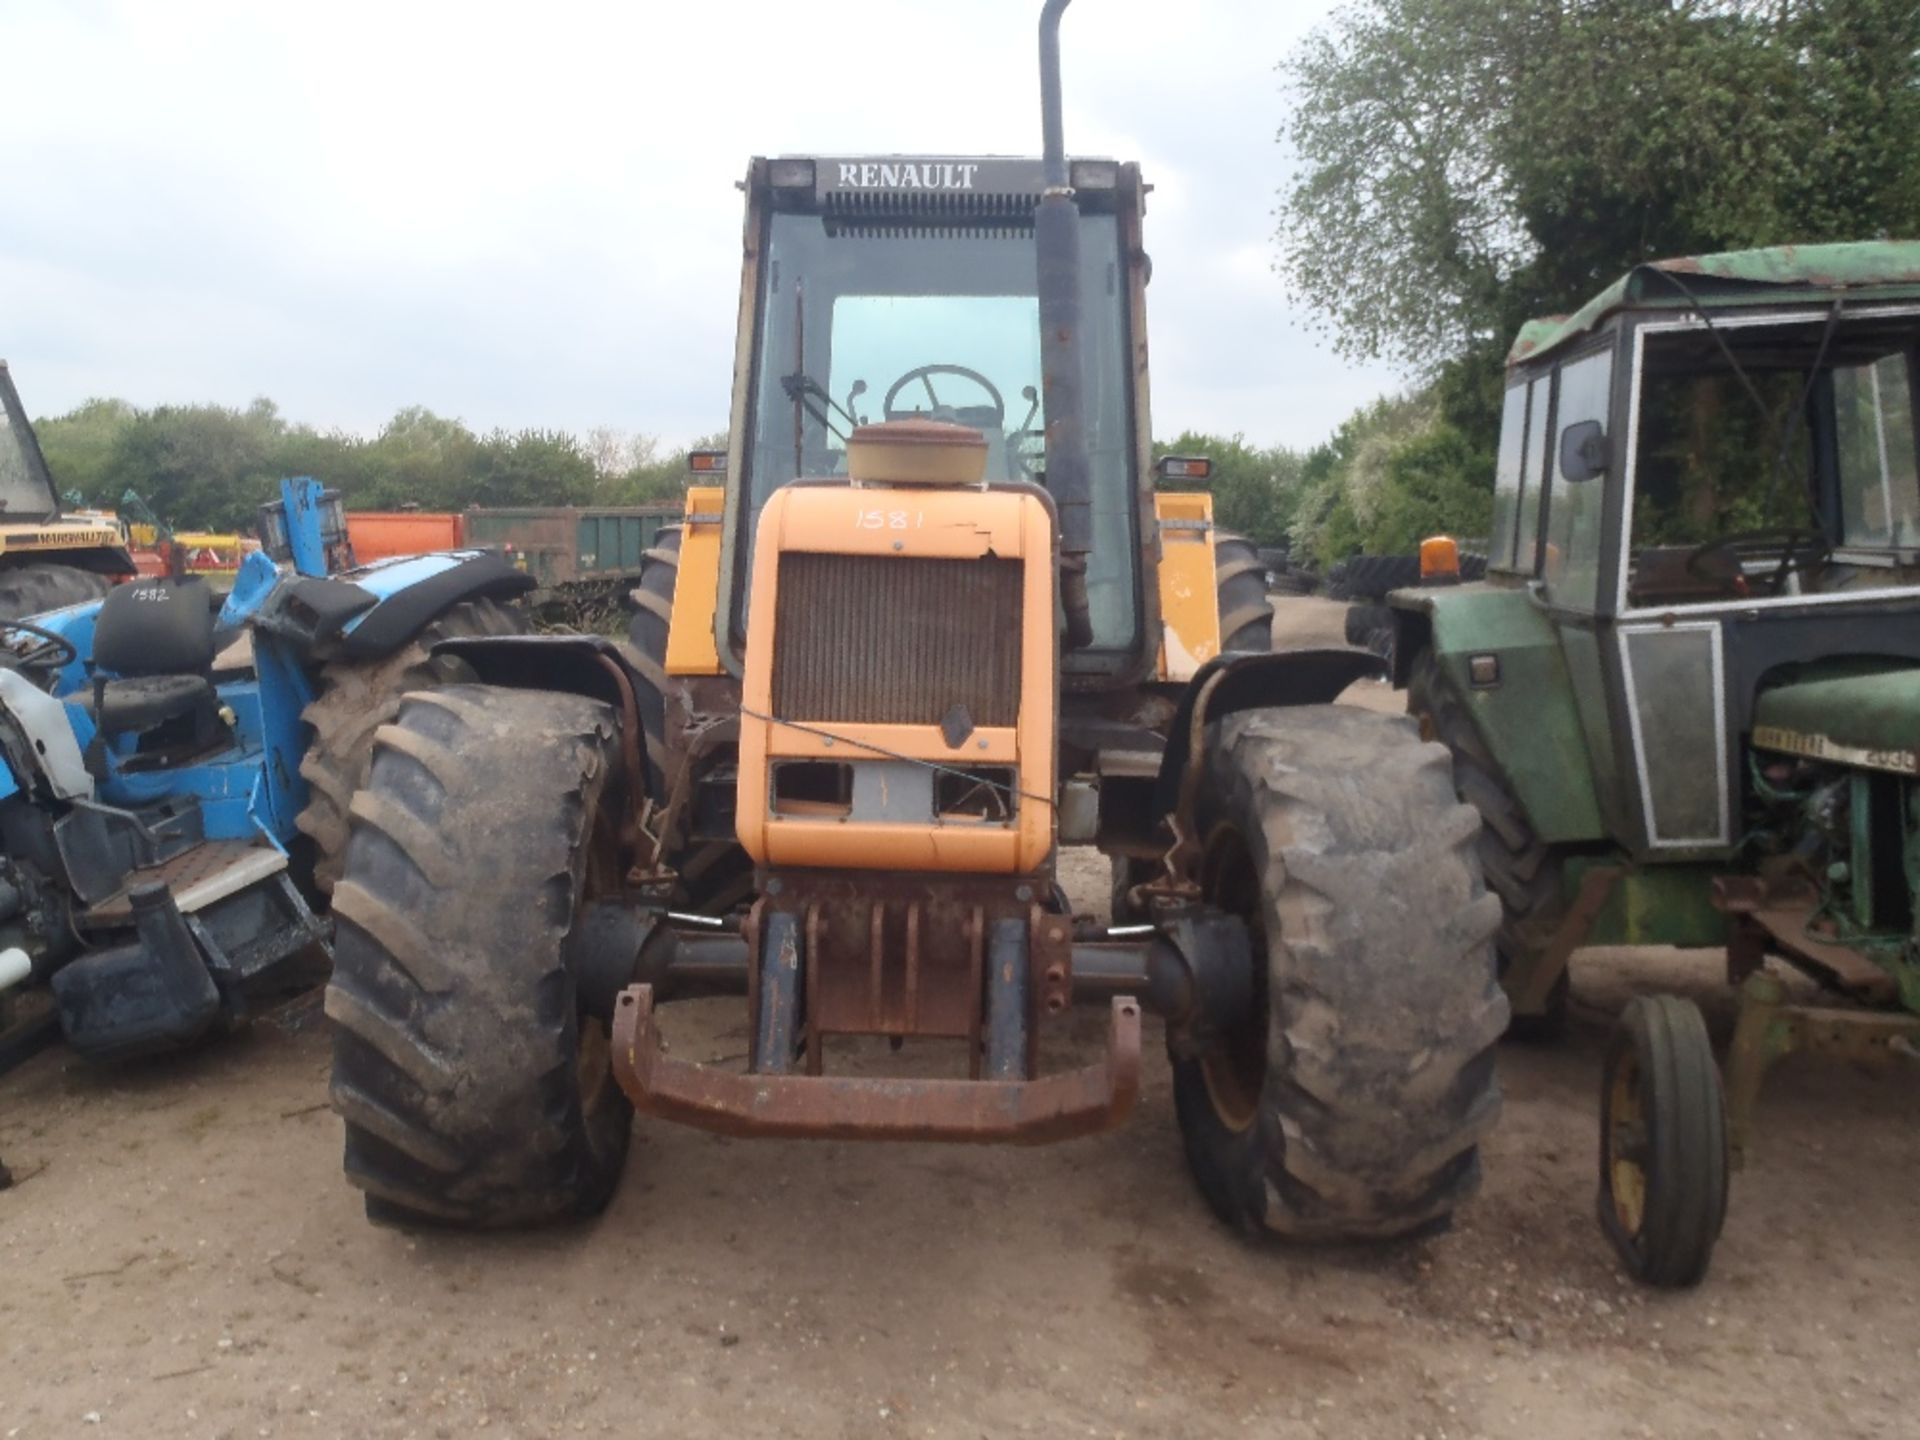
[
  {"x": 58, "y": 535},
  {"x": 1189, "y": 606},
  {"x": 690, "y": 643},
  {"x": 950, "y": 524}
]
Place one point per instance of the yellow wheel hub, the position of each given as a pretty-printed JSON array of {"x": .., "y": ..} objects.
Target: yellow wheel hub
[{"x": 1627, "y": 1148}]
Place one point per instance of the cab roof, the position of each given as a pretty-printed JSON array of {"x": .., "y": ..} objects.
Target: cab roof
[
  {"x": 951, "y": 185},
  {"x": 1733, "y": 278}
]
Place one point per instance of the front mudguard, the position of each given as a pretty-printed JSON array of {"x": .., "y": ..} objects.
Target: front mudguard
[
  {"x": 1229, "y": 683},
  {"x": 592, "y": 665}
]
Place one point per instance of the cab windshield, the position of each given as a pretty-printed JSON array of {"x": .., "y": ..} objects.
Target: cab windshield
[
  {"x": 1793, "y": 474},
  {"x": 863, "y": 321}
]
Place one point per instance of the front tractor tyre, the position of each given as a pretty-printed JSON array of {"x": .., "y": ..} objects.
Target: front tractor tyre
[
  {"x": 715, "y": 875},
  {"x": 476, "y": 1090},
  {"x": 1663, "y": 1143},
  {"x": 1350, "y": 1102}
]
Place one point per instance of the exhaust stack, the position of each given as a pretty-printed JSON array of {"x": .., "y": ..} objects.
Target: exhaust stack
[{"x": 1056, "y": 234}]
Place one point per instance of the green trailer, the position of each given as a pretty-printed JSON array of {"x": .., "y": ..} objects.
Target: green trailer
[{"x": 585, "y": 558}]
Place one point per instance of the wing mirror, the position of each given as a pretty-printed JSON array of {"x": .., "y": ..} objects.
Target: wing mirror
[{"x": 1584, "y": 451}]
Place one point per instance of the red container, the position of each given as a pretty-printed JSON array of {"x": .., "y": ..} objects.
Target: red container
[{"x": 378, "y": 534}]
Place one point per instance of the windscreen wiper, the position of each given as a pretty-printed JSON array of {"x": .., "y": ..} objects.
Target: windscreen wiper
[
  {"x": 1787, "y": 430},
  {"x": 808, "y": 393}
]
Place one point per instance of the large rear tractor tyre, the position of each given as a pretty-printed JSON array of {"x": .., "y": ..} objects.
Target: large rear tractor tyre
[
  {"x": 1351, "y": 1101},
  {"x": 1663, "y": 1143},
  {"x": 475, "y": 1091},
  {"x": 1240, "y": 580},
  {"x": 1520, "y": 867},
  {"x": 35, "y": 589},
  {"x": 356, "y": 698},
  {"x": 714, "y": 874}
]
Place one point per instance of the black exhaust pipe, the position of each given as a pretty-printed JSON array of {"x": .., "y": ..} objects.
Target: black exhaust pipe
[{"x": 1056, "y": 237}]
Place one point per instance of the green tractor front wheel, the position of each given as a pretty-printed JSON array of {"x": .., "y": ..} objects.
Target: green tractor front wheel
[{"x": 1663, "y": 1143}]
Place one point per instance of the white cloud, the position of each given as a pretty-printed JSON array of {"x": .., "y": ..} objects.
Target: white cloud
[{"x": 526, "y": 216}]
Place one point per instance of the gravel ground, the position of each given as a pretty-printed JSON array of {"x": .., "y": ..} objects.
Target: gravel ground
[{"x": 181, "y": 1257}]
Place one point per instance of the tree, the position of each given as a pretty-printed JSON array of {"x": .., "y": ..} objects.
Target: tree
[
  {"x": 210, "y": 467},
  {"x": 1464, "y": 164},
  {"x": 196, "y": 465},
  {"x": 1394, "y": 473},
  {"x": 533, "y": 467},
  {"x": 79, "y": 446},
  {"x": 1254, "y": 491}
]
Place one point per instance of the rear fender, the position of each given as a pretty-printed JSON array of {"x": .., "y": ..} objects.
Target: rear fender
[
  {"x": 371, "y": 612},
  {"x": 413, "y": 592}
]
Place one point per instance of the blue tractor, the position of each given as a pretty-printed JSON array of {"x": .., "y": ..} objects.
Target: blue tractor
[{"x": 177, "y": 773}]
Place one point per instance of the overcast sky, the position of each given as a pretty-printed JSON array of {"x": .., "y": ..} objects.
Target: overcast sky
[{"x": 525, "y": 215}]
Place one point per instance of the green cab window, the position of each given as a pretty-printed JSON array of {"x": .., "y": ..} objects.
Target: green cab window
[
  {"x": 1506, "y": 478},
  {"x": 1570, "y": 564},
  {"x": 1526, "y": 551}
]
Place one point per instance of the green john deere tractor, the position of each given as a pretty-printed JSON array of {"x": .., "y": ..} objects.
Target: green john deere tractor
[{"x": 1686, "y": 697}]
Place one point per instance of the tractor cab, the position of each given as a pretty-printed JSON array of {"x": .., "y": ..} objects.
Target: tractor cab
[
  {"x": 887, "y": 288},
  {"x": 1706, "y": 490},
  {"x": 1686, "y": 697}
]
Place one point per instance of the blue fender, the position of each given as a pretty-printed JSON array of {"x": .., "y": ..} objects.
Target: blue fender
[{"x": 373, "y": 610}]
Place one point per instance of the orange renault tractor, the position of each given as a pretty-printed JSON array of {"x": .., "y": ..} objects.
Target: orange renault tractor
[{"x": 934, "y": 623}]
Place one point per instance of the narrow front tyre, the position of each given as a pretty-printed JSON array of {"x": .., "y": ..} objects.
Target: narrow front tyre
[{"x": 1663, "y": 1143}]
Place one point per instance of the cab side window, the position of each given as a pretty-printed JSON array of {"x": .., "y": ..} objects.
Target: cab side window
[
  {"x": 1570, "y": 564},
  {"x": 1506, "y": 479},
  {"x": 1526, "y": 553}
]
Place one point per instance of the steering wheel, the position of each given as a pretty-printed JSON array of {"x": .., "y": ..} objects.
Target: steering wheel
[
  {"x": 1799, "y": 550},
  {"x": 54, "y": 652},
  {"x": 924, "y": 374}
]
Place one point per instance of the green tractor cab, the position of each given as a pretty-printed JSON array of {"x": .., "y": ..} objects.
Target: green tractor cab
[{"x": 1686, "y": 696}]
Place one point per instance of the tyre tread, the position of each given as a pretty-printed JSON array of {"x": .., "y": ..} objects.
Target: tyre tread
[{"x": 454, "y": 1060}]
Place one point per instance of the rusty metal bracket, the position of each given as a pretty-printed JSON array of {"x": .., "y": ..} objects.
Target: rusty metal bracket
[
  {"x": 1531, "y": 989},
  {"x": 1086, "y": 1101},
  {"x": 666, "y": 819},
  {"x": 1769, "y": 1028},
  {"x": 637, "y": 798},
  {"x": 1776, "y": 914}
]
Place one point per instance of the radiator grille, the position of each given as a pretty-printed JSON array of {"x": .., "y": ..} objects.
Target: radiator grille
[{"x": 891, "y": 640}]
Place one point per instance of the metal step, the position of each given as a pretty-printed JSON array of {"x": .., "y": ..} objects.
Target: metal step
[{"x": 198, "y": 877}]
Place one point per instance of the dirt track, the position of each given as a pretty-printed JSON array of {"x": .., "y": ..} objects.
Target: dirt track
[{"x": 182, "y": 1258}]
